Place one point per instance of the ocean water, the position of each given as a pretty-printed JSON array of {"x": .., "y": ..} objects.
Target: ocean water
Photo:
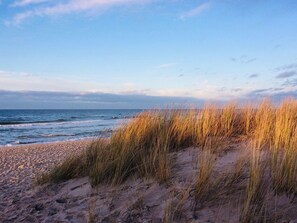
[{"x": 41, "y": 126}]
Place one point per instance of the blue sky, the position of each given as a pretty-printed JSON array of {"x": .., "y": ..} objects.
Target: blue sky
[{"x": 145, "y": 53}]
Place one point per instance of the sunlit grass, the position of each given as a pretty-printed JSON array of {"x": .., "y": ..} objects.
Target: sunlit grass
[{"x": 142, "y": 147}]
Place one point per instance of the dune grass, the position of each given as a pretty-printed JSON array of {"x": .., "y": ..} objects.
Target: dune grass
[
  {"x": 203, "y": 181},
  {"x": 254, "y": 204},
  {"x": 141, "y": 148}
]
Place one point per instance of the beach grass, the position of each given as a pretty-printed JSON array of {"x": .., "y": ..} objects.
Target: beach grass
[{"x": 141, "y": 148}]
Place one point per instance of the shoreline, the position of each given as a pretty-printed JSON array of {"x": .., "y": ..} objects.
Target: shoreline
[{"x": 87, "y": 139}]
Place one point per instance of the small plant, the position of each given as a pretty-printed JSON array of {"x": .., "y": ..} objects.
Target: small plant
[{"x": 72, "y": 167}]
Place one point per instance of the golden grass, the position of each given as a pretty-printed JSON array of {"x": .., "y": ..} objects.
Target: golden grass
[
  {"x": 141, "y": 147},
  {"x": 203, "y": 182},
  {"x": 254, "y": 206}
]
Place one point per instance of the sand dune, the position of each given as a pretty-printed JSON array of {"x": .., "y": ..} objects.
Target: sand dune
[{"x": 136, "y": 200}]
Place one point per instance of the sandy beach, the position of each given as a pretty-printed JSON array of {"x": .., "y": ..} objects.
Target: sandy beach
[{"x": 19, "y": 166}]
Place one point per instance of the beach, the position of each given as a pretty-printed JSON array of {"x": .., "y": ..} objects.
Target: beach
[
  {"x": 148, "y": 111},
  {"x": 160, "y": 170},
  {"x": 20, "y": 165}
]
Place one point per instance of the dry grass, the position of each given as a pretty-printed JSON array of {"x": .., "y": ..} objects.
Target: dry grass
[
  {"x": 203, "y": 183},
  {"x": 141, "y": 148},
  {"x": 254, "y": 206},
  {"x": 72, "y": 167},
  {"x": 176, "y": 204},
  {"x": 168, "y": 215}
]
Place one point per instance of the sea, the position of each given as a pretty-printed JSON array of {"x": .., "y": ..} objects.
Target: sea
[{"x": 41, "y": 126}]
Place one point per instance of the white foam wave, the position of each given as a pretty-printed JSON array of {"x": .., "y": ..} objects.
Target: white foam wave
[{"x": 69, "y": 123}]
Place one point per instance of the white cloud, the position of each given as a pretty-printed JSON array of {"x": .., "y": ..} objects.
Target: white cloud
[
  {"x": 19, "y": 18},
  {"x": 22, "y": 81},
  {"x": 27, "y": 2},
  {"x": 17, "y": 81},
  {"x": 71, "y": 6},
  {"x": 195, "y": 11}
]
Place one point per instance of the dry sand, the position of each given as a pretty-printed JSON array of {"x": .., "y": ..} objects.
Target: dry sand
[
  {"x": 137, "y": 200},
  {"x": 19, "y": 166}
]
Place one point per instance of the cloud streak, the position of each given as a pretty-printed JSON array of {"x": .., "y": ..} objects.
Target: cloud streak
[
  {"x": 253, "y": 75},
  {"x": 21, "y": 3},
  {"x": 195, "y": 11},
  {"x": 286, "y": 74},
  {"x": 62, "y": 7},
  {"x": 276, "y": 95},
  {"x": 287, "y": 67}
]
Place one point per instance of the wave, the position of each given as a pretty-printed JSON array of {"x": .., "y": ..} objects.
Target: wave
[
  {"x": 45, "y": 136},
  {"x": 110, "y": 122},
  {"x": 56, "y": 135},
  {"x": 51, "y": 141},
  {"x": 18, "y": 127},
  {"x": 30, "y": 122},
  {"x": 53, "y": 135},
  {"x": 24, "y": 143}
]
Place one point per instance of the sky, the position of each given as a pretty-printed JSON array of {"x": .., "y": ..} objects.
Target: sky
[{"x": 145, "y": 53}]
